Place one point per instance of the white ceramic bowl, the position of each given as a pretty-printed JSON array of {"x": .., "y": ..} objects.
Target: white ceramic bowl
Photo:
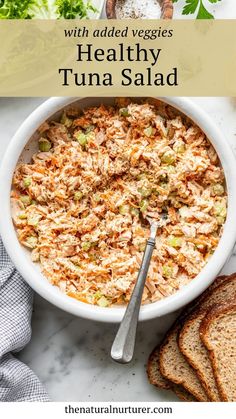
[{"x": 31, "y": 271}]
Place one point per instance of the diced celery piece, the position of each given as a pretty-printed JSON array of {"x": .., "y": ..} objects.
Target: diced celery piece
[
  {"x": 141, "y": 247},
  {"x": 32, "y": 241},
  {"x": 22, "y": 216},
  {"x": 220, "y": 209},
  {"x": 124, "y": 112},
  {"x": 167, "y": 271},
  {"x": 34, "y": 220},
  {"x": 78, "y": 195},
  {"x": 218, "y": 189},
  {"x": 66, "y": 121},
  {"x": 98, "y": 295},
  {"x": 144, "y": 192},
  {"x": 170, "y": 169},
  {"x": 103, "y": 302},
  {"x": 174, "y": 241},
  {"x": 27, "y": 182},
  {"x": 25, "y": 199},
  {"x": 44, "y": 145},
  {"x": 81, "y": 137},
  {"x": 168, "y": 157},
  {"x": 124, "y": 209},
  {"x": 141, "y": 176},
  {"x": 143, "y": 205},
  {"x": 86, "y": 246},
  {"x": 148, "y": 131},
  {"x": 179, "y": 147}
]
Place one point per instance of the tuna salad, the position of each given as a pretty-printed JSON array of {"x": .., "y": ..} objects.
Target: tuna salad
[{"x": 79, "y": 205}]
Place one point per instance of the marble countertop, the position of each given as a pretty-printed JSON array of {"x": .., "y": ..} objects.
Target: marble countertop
[{"x": 71, "y": 355}]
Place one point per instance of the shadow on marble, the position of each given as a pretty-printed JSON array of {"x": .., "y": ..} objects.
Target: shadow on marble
[{"x": 71, "y": 356}]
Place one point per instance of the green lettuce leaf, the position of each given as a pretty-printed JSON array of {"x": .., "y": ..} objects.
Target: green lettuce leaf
[
  {"x": 45, "y": 9},
  {"x": 17, "y": 9},
  {"x": 74, "y": 9}
]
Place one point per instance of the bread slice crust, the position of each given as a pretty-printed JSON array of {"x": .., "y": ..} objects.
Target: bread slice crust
[
  {"x": 155, "y": 370},
  {"x": 155, "y": 377},
  {"x": 180, "y": 372},
  {"x": 214, "y": 320},
  {"x": 198, "y": 357},
  {"x": 195, "y": 388},
  {"x": 182, "y": 394},
  {"x": 190, "y": 343}
]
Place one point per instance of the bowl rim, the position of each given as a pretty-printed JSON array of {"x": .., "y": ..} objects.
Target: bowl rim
[{"x": 115, "y": 314}]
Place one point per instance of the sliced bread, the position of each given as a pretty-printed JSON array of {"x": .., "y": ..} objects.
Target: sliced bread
[
  {"x": 153, "y": 370},
  {"x": 175, "y": 368},
  {"x": 218, "y": 333},
  {"x": 173, "y": 365},
  {"x": 190, "y": 343},
  {"x": 182, "y": 394},
  {"x": 197, "y": 355},
  {"x": 155, "y": 377}
]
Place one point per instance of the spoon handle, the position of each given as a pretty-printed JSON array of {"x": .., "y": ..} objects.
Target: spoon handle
[{"x": 123, "y": 346}]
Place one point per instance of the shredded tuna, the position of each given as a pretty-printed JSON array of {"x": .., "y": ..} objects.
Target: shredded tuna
[{"x": 79, "y": 205}]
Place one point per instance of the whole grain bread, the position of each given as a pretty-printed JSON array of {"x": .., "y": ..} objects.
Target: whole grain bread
[
  {"x": 190, "y": 343},
  {"x": 197, "y": 355},
  {"x": 153, "y": 369},
  {"x": 173, "y": 365},
  {"x": 155, "y": 377},
  {"x": 218, "y": 333},
  {"x": 175, "y": 368},
  {"x": 182, "y": 394}
]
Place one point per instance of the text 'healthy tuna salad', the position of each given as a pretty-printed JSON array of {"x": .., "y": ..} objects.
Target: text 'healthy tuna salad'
[{"x": 79, "y": 204}]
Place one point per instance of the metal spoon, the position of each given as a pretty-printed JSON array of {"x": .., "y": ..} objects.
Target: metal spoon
[{"x": 123, "y": 346}]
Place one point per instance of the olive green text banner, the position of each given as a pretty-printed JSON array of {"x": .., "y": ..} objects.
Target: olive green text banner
[{"x": 107, "y": 58}]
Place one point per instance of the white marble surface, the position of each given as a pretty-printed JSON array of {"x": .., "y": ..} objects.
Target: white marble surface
[{"x": 71, "y": 355}]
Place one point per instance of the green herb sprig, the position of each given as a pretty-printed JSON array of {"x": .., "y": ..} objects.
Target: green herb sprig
[{"x": 197, "y": 7}]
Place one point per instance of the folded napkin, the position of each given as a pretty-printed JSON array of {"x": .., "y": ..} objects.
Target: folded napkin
[{"x": 17, "y": 382}]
